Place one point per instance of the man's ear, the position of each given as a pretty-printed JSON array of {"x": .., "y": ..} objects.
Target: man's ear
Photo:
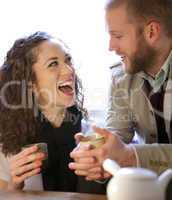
[{"x": 152, "y": 32}]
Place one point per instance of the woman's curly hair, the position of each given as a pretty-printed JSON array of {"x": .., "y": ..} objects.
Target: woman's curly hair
[{"x": 18, "y": 124}]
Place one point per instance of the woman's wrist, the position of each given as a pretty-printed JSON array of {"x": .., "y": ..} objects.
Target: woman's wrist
[{"x": 14, "y": 186}]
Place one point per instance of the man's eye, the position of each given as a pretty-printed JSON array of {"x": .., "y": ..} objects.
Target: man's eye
[
  {"x": 116, "y": 36},
  {"x": 119, "y": 37},
  {"x": 53, "y": 64}
]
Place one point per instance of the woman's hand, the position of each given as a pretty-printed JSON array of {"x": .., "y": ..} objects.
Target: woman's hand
[{"x": 23, "y": 165}]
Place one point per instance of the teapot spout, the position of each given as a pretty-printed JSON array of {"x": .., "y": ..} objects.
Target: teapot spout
[
  {"x": 111, "y": 166},
  {"x": 165, "y": 178}
]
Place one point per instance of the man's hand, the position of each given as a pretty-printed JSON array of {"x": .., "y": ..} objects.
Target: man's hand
[
  {"x": 87, "y": 166},
  {"x": 88, "y": 161}
]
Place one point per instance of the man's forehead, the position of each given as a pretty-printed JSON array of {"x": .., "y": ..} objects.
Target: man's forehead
[
  {"x": 117, "y": 14},
  {"x": 117, "y": 19}
]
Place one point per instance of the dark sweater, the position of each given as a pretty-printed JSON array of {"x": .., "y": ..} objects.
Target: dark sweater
[{"x": 56, "y": 175}]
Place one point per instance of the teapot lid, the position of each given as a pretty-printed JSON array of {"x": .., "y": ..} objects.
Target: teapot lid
[{"x": 135, "y": 173}]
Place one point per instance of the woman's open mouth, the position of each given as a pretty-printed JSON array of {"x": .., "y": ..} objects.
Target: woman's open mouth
[{"x": 66, "y": 87}]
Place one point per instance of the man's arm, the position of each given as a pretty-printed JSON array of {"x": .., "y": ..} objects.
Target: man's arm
[
  {"x": 119, "y": 117},
  {"x": 88, "y": 162},
  {"x": 156, "y": 157}
]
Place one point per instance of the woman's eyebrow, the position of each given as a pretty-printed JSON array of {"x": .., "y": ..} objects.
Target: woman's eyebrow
[
  {"x": 52, "y": 58},
  {"x": 67, "y": 55}
]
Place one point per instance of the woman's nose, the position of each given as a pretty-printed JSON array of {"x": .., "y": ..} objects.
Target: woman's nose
[{"x": 67, "y": 69}]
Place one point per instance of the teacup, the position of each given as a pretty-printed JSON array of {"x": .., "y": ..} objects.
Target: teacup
[
  {"x": 95, "y": 140},
  {"x": 42, "y": 148}
]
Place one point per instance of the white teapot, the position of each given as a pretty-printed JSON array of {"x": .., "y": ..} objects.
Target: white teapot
[{"x": 136, "y": 183}]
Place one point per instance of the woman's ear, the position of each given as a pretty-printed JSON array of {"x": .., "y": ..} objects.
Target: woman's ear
[
  {"x": 152, "y": 32},
  {"x": 34, "y": 88}
]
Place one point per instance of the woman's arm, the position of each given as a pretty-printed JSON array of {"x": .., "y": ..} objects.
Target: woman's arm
[
  {"x": 19, "y": 167},
  {"x": 4, "y": 171},
  {"x": 3, "y": 184}
]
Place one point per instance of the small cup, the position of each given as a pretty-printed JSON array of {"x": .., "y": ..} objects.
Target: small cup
[
  {"x": 42, "y": 148},
  {"x": 95, "y": 140}
]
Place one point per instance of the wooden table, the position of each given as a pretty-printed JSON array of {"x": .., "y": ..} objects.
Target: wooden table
[{"x": 4, "y": 195}]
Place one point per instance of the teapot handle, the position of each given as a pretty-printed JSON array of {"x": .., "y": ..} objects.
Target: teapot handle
[{"x": 111, "y": 166}]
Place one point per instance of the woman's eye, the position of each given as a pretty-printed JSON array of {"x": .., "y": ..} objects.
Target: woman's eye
[
  {"x": 68, "y": 60},
  {"x": 53, "y": 64}
]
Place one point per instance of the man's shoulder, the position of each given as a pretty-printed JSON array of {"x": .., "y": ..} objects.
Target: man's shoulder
[
  {"x": 121, "y": 79},
  {"x": 119, "y": 76}
]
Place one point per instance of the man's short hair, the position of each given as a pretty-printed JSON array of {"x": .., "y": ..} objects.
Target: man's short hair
[{"x": 142, "y": 11}]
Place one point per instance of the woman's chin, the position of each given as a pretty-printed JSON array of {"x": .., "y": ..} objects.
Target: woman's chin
[
  {"x": 64, "y": 99},
  {"x": 68, "y": 102}
]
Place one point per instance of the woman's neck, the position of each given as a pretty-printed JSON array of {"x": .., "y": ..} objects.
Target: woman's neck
[{"x": 54, "y": 114}]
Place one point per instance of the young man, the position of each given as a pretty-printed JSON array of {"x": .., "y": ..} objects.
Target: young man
[{"x": 141, "y": 95}]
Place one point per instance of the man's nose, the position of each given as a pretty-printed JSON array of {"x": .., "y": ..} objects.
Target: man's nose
[{"x": 113, "y": 45}]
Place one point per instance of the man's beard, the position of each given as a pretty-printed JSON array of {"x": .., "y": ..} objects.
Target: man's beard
[{"x": 144, "y": 57}]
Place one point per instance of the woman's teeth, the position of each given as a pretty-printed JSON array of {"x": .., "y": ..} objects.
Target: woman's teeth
[{"x": 66, "y": 83}]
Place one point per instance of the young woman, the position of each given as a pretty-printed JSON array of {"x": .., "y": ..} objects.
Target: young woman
[{"x": 40, "y": 101}]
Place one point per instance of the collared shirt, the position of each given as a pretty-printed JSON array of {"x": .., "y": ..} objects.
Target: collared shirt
[
  {"x": 156, "y": 84},
  {"x": 160, "y": 77}
]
